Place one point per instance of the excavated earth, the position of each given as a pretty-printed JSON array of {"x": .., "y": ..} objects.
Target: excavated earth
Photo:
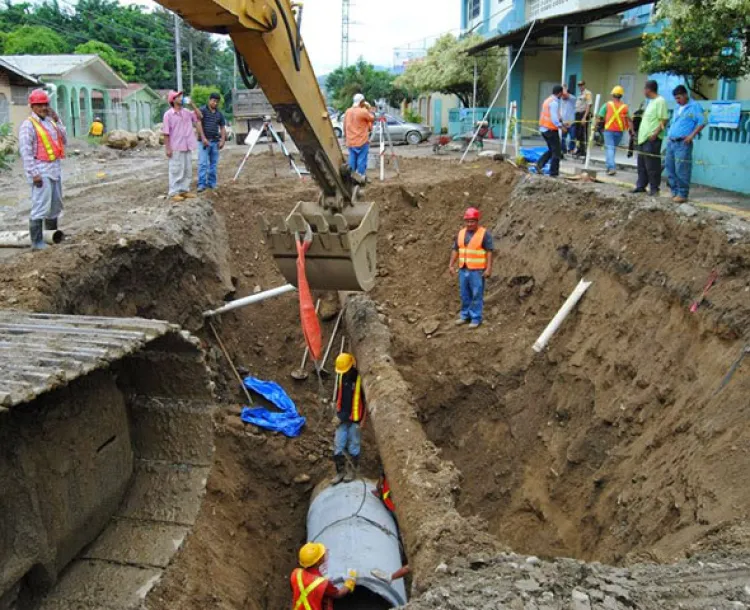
[{"x": 617, "y": 446}]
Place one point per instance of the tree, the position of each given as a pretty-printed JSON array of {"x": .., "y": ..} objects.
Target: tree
[
  {"x": 363, "y": 78},
  {"x": 33, "y": 40},
  {"x": 200, "y": 94},
  {"x": 124, "y": 67},
  {"x": 447, "y": 68},
  {"x": 701, "y": 40}
]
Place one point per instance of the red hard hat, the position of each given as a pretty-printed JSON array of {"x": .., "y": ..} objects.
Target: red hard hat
[
  {"x": 38, "y": 96},
  {"x": 471, "y": 214}
]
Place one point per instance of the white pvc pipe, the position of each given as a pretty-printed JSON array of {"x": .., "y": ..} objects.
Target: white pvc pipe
[
  {"x": 564, "y": 55},
  {"x": 591, "y": 131},
  {"x": 559, "y": 318},
  {"x": 382, "y": 148},
  {"x": 255, "y": 298},
  {"x": 508, "y": 115},
  {"x": 21, "y": 239}
]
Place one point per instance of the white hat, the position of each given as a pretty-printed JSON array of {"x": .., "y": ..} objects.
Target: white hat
[{"x": 358, "y": 99}]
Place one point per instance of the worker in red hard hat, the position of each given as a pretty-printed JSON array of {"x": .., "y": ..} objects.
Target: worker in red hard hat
[
  {"x": 41, "y": 143},
  {"x": 471, "y": 258}
]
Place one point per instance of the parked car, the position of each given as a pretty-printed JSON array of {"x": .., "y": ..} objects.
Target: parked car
[
  {"x": 338, "y": 126},
  {"x": 401, "y": 131}
]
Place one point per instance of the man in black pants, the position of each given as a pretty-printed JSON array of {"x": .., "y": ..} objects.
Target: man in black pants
[
  {"x": 650, "y": 135},
  {"x": 550, "y": 121}
]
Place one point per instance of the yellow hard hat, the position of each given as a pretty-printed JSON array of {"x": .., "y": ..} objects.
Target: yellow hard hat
[
  {"x": 344, "y": 362},
  {"x": 618, "y": 91},
  {"x": 311, "y": 553}
]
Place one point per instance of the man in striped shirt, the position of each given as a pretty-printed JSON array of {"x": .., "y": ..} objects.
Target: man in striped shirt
[{"x": 41, "y": 143}]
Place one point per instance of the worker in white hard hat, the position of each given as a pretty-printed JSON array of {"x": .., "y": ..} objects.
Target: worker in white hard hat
[
  {"x": 350, "y": 413},
  {"x": 358, "y": 122},
  {"x": 614, "y": 115},
  {"x": 311, "y": 590}
]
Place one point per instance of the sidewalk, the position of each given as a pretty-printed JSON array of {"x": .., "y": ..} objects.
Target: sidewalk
[{"x": 704, "y": 196}]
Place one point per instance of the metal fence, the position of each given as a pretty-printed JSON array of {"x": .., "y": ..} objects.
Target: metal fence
[{"x": 464, "y": 120}]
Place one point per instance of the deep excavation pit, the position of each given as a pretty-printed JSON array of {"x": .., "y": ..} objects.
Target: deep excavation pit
[{"x": 611, "y": 446}]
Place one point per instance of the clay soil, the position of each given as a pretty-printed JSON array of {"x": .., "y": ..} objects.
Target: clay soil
[{"x": 612, "y": 445}]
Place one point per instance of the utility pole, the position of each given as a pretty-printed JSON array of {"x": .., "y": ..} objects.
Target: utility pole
[
  {"x": 345, "y": 5},
  {"x": 234, "y": 73},
  {"x": 178, "y": 51},
  {"x": 190, "y": 51}
]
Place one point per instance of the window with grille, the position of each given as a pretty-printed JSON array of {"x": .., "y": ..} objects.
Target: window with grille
[
  {"x": 473, "y": 8},
  {"x": 4, "y": 110},
  {"x": 20, "y": 95}
]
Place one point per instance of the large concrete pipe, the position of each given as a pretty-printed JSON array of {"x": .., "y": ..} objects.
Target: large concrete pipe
[{"x": 360, "y": 534}]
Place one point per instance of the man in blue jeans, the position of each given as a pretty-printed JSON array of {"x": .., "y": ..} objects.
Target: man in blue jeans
[
  {"x": 687, "y": 122},
  {"x": 472, "y": 259},
  {"x": 213, "y": 135},
  {"x": 358, "y": 122},
  {"x": 351, "y": 410}
]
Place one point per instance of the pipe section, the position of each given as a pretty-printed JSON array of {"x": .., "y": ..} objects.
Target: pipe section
[
  {"x": 254, "y": 298},
  {"x": 360, "y": 534},
  {"x": 559, "y": 318},
  {"x": 21, "y": 239}
]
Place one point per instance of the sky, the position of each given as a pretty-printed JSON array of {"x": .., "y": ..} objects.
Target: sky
[{"x": 379, "y": 28}]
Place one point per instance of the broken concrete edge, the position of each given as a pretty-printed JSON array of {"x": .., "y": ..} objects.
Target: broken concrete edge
[{"x": 423, "y": 484}]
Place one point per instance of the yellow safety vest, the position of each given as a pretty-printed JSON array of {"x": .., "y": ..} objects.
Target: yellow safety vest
[{"x": 49, "y": 149}]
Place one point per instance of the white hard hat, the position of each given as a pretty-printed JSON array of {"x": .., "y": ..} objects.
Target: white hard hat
[{"x": 358, "y": 99}]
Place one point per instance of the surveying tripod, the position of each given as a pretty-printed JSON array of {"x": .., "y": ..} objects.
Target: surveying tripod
[
  {"x": 383, "y": 134},
  {"x": 271, "y": 134}
]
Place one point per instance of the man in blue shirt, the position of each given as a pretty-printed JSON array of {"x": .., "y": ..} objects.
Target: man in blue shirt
[
  {"x": 213, "y": 135},
  {"x": 550, "y": 125},
  {"x": 568, "y": 116},
  {"x": 687, "y": 122}
]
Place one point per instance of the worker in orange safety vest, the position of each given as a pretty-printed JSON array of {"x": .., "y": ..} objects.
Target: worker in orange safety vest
[
  {"x": 614, "y": 115},
  {"x": 550, "y": 126},
  {"x": 351, "y": 411},
  {"x": 310, "y": 589},
  {"x": 41, "y": 142},
  {"x": 471, "y": 258}
]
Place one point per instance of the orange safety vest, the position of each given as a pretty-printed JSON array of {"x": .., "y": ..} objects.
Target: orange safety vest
[
  {"x": 358, "y": 413},
  {"x": 545, "y": 119},
  {"x": 472, "y": 255},
  {"x": 308, "y": 590},
  {"x": 385, "y": 495},
  {"x": 617, "y": 117},
  {"x": 47, "y": 149}
]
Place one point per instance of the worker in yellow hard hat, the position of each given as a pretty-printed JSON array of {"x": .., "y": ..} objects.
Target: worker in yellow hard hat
[
  {"x": 310, "y": 589},
  {"x": 616, "y": 121},
  {"x": 350, "y": 411}
]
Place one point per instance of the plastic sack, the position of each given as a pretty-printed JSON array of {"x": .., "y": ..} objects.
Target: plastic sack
[
  {"x": 287, "y": 420},
  {"x": 308, "y": 315},
  {"x": 532, "y": 154}
]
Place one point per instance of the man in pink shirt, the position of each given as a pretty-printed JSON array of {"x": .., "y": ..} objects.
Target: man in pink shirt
[{"x": 180, "y": 142}]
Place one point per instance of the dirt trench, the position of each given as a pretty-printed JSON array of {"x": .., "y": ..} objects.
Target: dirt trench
[{"x": 611, "y": 446}]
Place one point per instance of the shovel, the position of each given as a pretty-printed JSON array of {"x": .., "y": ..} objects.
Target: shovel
[{"x": 301, "y": 374}]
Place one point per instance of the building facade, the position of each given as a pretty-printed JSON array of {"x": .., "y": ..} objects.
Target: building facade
[
  {"x": 15, "y": 86},
  {"x": 72, "y": 81}
]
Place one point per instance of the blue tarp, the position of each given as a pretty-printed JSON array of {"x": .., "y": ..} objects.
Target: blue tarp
[
  {"x": 532, "y": 154},
  {"x": 287, "y": 420}
]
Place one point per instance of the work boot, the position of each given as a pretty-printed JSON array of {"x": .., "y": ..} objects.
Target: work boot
[
  {"x": 474, "y": 325},
  {"x": 461, "y": 321},
  {"x": 36, "y": 233},
  {"x": 50, "y": 224},
  {"x": 353, "y": 472},
  {"x": 679, "y": 199},
  {"x": 340, "y": 462}
]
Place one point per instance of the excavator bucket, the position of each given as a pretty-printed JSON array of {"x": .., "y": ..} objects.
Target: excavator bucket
[{"x": 342, "y": 254}]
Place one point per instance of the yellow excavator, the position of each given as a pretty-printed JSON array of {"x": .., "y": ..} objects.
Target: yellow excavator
[{"x": 266, "y": 36}]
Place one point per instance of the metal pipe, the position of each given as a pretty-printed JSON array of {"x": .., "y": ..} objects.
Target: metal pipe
[
  {"x": 255, "y": 298},
  {"x": 333, "y": 336},
  {"x": 564, "y": 55},
  {"x": 360, "y": 534},
  {"x": 21, "y": 239}
]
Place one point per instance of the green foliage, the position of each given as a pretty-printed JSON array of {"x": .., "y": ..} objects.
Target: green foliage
[
  {"x": 448, "y": 69},
  {"x": 6, "y": 153},
  {"x": 33, "y": 40},
  {"x": 200, "y": 94},
  {"x": 143, "y": 38},
  {"x": 124, "y": 67},
  {"x": 702, "y": 40},
  {"x": 362, "y": 77},
  {"x": 410, "y": 116}
]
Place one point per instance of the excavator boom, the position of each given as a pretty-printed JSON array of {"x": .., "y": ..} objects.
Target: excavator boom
[{"x": 266, "y": 35}]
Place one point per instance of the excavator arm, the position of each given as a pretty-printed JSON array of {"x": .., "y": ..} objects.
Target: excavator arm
[{"x": 266, "y": 35}]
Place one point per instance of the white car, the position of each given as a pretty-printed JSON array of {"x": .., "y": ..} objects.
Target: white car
[{"x": 338, "y": 126}]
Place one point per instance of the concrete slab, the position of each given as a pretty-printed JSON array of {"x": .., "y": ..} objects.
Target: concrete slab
[
  {"x": 99, "y": 584},
  {"x": 140, "y": 543},
  {"x": 165, "y": 492}
]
